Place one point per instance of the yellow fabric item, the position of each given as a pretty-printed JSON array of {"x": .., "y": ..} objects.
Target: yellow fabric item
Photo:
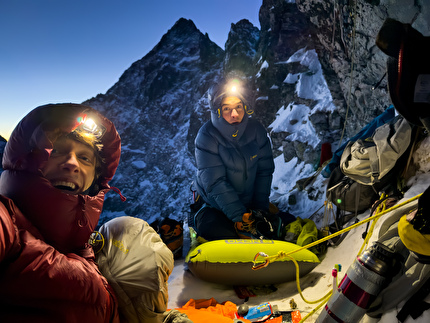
[
  {"x": 294, "y": 228},
  {"x": 308, "y": 234},
  {"x": 304, "y": 231},
  {"x": 412, "y": 239}
]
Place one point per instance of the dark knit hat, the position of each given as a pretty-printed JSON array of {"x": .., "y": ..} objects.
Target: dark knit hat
[{"x": 230, "y": 87}]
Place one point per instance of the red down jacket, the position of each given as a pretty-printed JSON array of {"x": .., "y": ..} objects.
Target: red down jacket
[{"x": 47, "y": 268}]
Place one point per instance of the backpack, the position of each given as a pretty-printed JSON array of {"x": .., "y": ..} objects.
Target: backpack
[
  {"x": 349, "y": 195},
  {"x": 377, "y": 160},
  {"x": 365, "y": 132},
  {"x": 372, "y": 165}
]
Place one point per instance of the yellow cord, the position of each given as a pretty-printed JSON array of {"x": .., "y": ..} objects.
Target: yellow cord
[
  {"x": 317, "y": 308},
  {"x": 381, "y": 210},
  {"x": 381, "y": 207},
  {"x": 283, "y": 254},
  {"x": 95, "y": 238},
  {"x": 298, "y": 285}
]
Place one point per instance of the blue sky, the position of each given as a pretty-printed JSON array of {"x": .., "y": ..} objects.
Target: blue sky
[{"x": 71, "y": 50}]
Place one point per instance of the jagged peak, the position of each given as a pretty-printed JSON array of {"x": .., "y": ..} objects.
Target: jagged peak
[
  {"x": 243, "y": 23},
  {"x": 184, "y": 24},
  {"x": 182, "y": 28},
  {"x": 245, "y": 29}
]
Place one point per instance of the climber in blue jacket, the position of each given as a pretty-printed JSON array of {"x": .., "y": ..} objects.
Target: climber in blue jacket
[{"x": 234, "y": 166}]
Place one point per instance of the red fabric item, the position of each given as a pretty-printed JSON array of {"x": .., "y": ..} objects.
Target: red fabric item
[
  {"x": 48, "y": 269},
  {"x": 326, "y": 153}
]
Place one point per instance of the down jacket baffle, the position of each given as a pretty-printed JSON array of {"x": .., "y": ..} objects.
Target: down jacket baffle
[{"x": 234, "y": 166}]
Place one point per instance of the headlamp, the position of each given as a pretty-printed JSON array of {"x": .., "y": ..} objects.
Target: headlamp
[
  {"x": 233, "y": 88},
  {"x": 89, "y": 125}
]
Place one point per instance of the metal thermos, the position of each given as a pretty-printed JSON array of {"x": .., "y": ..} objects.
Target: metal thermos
[{"x": 363, "y": 281}]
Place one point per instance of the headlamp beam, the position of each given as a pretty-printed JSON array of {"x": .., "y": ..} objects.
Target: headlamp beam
[{"x": 88, "y": 124}]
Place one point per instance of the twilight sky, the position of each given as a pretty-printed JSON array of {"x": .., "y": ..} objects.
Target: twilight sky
[{"x": 55, "y": 51}]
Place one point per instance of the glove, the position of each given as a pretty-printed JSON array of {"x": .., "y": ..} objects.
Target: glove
[
  {"x": 259, "y": 224},
  {"x": 246, "y": 228}
]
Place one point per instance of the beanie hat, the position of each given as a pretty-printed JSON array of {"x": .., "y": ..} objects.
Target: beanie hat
[{"x": 230, "y": 87}]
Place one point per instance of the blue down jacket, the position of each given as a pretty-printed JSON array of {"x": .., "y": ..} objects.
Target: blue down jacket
[{"x": 234, "y": 166}]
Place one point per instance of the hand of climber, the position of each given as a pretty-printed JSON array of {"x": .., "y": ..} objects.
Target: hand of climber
[{"x": 247, "y": 225}]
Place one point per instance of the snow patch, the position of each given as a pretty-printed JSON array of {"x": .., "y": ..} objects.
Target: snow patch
[
  {"x": 294, "y": 120},
  {"x": 140, "y": 164}
]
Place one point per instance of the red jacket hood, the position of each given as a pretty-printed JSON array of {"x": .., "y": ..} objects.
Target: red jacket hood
[{"x": 65, "y": 221}]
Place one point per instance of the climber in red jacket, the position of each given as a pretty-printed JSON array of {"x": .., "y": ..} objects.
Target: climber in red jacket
[{"x": 57, "y": 165}]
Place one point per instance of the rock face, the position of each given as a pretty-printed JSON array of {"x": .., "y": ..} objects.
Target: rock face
[
  {"x": 240, "y": 48},
  {"x": 158, "y": 106},
  {"x": 343, "y": 34},
  {"x": 284, "y": 31},
  {"x": 353, "y": 65}
]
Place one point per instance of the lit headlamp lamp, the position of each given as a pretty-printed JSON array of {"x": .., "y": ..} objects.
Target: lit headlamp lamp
[
  {"x": 232, "y": 88},
  {"x": 89, "y": 124}
]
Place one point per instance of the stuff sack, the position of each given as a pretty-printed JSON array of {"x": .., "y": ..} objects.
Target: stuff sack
[
  {"x": 369, "y": 161},
  {"x": 137, "y": 264},
  {"x": 349, "y": 195}
]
